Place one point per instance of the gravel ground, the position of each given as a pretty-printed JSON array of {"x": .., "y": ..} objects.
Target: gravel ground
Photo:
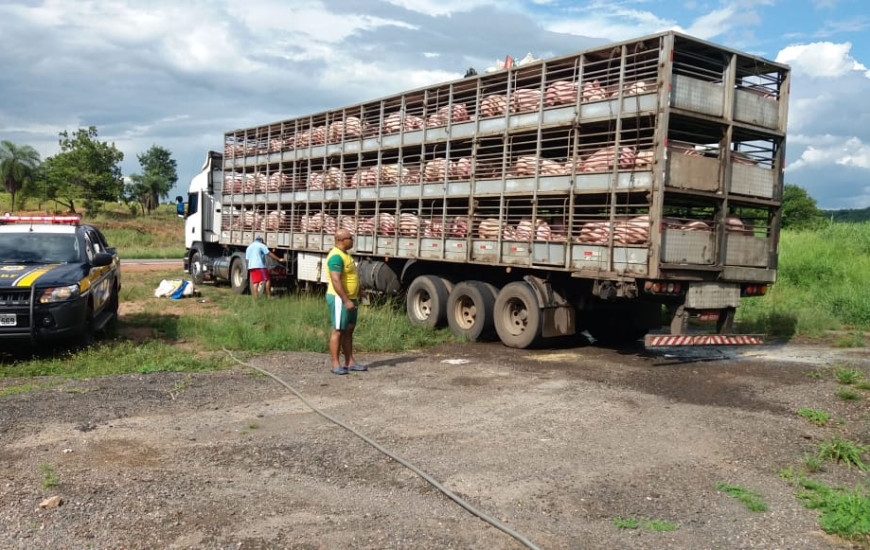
[{"x": 554, "y": 443}]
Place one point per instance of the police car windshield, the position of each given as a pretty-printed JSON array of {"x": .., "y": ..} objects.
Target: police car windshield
[{"x": 38, "y": 248}]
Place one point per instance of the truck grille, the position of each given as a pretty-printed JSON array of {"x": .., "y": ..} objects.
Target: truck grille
[{"x": 17, "y": 297}]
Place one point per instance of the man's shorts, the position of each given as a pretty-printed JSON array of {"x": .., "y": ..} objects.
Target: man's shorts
[
  {"x": 339, "y": 316},
  {"x": 258, "y": 275}
]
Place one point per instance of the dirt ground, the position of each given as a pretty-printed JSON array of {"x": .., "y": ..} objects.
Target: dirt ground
[{"x": 553, "y": 443}]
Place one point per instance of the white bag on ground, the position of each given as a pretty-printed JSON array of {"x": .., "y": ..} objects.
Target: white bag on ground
[{"x": 174, "y": 288}]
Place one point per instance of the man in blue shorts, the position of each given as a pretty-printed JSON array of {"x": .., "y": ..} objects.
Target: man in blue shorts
[
  {"x": 256, "y": 254},
  {"x": 342, "y": 297}
]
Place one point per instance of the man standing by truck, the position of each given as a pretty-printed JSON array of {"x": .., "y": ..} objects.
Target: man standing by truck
[
  {"x": 256, "y": 254},
  {"x": 342, "y": 297}
]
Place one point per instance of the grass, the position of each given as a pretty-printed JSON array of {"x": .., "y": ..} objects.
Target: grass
[
  {"x": 115, "y": 357},
  {"x": 848, "y": 376},
  {"x": 843, "y": 512},
  {"x": 648, "y": 524},
  {"x": 156, "y": 235},
  {"x": 821, "y": 285},
  {"x": 25, "y": 388},
  {"x": 753, "y": 501},
  {"x": 49, "y": 477},
  {"x": 843, "y": 450},
  {"x": 819, "y": 418},
  {"x": 296, "y": 322},
  {"x": 849, "y": 340},
  {"x": 626, "y": 523},
  {"x": 847, "y": 395},
  {"x": 300, "y": 322},
  {"x": 813, "y": 463}
]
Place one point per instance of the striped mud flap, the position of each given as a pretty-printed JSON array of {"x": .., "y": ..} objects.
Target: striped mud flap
[{"x": 666, "y": 340}]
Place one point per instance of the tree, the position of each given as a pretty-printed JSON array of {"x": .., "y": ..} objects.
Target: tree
[
  {"x": 799, "y": 210},
  {"x": 85, "y": 169},
  {"x": 17, "y": 166},
  {"x": 158, "y": 176}
]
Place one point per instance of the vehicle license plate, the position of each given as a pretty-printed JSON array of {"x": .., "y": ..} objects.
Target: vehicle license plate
[{"x": 7, "y": 320}]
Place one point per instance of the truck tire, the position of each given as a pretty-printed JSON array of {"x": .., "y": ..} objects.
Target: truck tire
[
  {"x": 426, "y": 301},
  {"x": 238, "y": 275},
  {"x": 194, "y": 266},
  {"x": 517, "y": 315},
  {"x": 469, "y": 311}
]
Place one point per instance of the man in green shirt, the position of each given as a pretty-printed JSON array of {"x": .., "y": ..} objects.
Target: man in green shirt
[{"x": 342, "y": 297}]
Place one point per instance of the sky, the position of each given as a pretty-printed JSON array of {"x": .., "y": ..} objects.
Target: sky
[{"x": 181, "y": 74}]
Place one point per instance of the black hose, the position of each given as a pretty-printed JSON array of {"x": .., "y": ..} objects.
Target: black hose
[{"x": 471, "y": 509}]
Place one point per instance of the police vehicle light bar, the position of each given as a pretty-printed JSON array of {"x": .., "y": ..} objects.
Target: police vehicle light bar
[{"x": 73, "y": 220}]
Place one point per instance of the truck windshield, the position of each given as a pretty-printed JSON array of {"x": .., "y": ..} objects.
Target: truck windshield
[{"x": 38, "y": 248}]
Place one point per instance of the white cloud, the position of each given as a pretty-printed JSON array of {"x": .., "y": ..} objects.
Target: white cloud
[
  {"x": 612, "y": 22},
  {"x": 310, "y": 19},
  {"x": 821, "y": 59},
  {"x": 442, "y": 7},
  {"x": 713, "y": 24},
  {"x": 371, "y": 80},
  {"x": 187, "y": 35},
  {"x": 831, "y": 150}
]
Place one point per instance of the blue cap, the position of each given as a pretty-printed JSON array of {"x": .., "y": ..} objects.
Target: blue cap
[{"x": 259, "y": 238}]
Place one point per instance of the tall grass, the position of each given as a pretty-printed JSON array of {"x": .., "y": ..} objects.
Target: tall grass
[
  {"x": 300, "y": 322},
  {"x": 115, "y": 357},
  {"x": 159, "y": 234},
  {"x": 823, "y": 283}
]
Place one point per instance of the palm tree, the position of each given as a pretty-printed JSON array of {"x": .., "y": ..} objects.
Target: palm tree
[{"x": 17, "y": 164}]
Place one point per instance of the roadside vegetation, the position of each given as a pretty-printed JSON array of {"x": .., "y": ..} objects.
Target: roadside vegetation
[
  {"x": 822, "y": 285},
  {"x": 189, "y": 335},
  {"x": 831, "y": 476},
  {"x": 753, "y": 500},
  {"x": 158, "y": 235},
  {"x": 821, "y": 293},
  {"x": 655, "y": 525}
]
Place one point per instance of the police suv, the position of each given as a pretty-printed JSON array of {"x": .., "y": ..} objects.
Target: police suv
[{"x": 59, "y": 279}]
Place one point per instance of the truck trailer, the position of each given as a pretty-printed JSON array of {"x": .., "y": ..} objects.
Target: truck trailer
[{"x": 610, "y": 192}]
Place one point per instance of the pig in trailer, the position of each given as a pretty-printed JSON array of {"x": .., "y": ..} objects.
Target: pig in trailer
[{"x": 594, "y": 191}]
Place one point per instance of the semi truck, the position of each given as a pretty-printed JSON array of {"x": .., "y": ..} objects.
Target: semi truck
[{"x": 612, "y": 192}]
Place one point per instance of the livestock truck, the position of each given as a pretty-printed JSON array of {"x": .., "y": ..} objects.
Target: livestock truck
[{"x": 608, "y": 192}]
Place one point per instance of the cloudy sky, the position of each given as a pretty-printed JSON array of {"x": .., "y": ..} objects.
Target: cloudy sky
[{"x": 180, "y": 74}]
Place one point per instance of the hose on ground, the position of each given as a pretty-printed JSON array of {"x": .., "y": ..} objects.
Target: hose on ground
[{"x": 446, "y": 492}]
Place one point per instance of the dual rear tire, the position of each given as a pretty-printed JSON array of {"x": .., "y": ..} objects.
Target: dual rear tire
[
  {"x": 477, "y": 311},
  {"x": 470, "y": 310},
  {"x": 518, "y": 315},
  {"x": 426, "y": 301}
]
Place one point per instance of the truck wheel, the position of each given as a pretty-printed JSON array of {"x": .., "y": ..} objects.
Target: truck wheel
[
  {"x": 238, "y": 276},
  {"x": 517, "y": 315},
  {"x": 195, "y": 267},
  {"x": 426, "y": 301},
  {"x": 469, "y": 310}
]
